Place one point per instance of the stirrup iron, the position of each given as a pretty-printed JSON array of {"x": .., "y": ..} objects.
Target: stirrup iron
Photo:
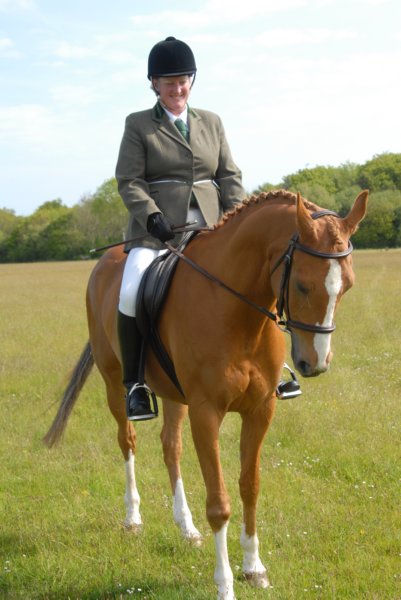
[
  {"x": 150, "y": 399},
  {"x": 288, "y": 389}
]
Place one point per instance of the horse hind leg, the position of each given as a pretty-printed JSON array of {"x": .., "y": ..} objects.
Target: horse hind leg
[
  {"x": 171, "y": 438},
  {"x": 127, "y": 442},
  {"x": 133, "y": 519}
]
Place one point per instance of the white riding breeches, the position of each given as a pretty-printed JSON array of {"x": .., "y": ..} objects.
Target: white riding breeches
[{"x": 138, "y": 260}]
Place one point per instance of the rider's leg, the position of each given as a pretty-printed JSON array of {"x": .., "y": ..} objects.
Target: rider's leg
[{"x": 137, "y": 397}]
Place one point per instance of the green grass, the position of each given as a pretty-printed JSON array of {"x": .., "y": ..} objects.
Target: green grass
[{"x": 329, "y": 509}]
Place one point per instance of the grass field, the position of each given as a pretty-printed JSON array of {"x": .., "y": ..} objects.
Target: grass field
[{"x": 329, "y": 510}]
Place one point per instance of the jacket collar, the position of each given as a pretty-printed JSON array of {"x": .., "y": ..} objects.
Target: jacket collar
[
  {"x": 165, "y": 125},
  {"x": 158, "y": 112}
]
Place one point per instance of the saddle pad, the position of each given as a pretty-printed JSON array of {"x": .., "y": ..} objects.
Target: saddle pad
[{"x": 152, "y": 293}]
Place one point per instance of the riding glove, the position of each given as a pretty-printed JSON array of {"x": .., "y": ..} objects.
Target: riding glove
[{"x": 159, "y": 227}]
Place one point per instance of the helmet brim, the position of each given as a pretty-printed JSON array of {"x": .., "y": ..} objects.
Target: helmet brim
[{"x": 172, "y": 74}]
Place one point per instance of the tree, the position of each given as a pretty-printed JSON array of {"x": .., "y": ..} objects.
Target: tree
[
  {"x": 316, "y": 193},
  {"x": 8, "y": 221},
  {"x": 22, "y": 244},
  {"x": 56, "y": 232},
  {"x": 381, "y": 226},
  {"x": 321, "y": 176},
  {"x": 103, "y": 216},
  {"x": 383, "y": 172},
  {"x": 61, "y": 240},
  {"x": 266, "y": 187}
]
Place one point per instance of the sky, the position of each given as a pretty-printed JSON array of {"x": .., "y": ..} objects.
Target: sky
[{"x": 297, "y": 83}]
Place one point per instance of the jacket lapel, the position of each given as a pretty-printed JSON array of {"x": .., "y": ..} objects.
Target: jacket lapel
[
  {"x": 167, "y": 126},
  {"x": 195, "y": 124}
]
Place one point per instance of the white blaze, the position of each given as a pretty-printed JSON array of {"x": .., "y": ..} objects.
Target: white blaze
[{"x": 321, "y": 341}]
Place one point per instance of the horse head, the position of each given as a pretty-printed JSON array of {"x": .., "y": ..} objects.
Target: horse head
[{"x": 318, "y": 276}]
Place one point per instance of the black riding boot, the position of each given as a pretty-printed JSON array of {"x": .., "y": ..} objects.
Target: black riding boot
[{"x": 137, "y": 396}]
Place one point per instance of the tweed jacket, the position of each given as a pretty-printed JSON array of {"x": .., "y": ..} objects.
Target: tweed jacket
[{"x": 159, "y": 171}]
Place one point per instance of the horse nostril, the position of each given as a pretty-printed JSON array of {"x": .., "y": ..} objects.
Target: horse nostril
[{"x": 304, "y": 368}]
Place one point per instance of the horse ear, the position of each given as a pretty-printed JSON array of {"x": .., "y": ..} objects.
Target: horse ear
[
  {"x": 306, "y": 225},
  {"x": 357, "y": 213}
]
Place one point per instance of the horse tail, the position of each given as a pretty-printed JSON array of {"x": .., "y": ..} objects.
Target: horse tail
[{"x": 79, "y": 376}]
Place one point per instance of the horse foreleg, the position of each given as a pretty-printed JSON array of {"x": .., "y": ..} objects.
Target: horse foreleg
[
  {"x": 171, "y": 437},
  {"x": 223, "y": 575},
  {"x": 205, "y": 424},
  {"x": 254, "y": 427}
]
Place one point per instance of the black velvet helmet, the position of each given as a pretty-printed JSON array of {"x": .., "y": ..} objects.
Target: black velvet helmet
[{"x": 171, "y": 57}]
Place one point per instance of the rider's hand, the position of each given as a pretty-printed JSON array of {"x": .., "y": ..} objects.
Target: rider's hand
[{"x": 159, "y": 227}]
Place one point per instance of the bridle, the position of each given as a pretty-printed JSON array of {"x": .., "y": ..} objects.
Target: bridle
[
  {"x": 283, "y": 298},
  {"x": 284, "y": 324}
]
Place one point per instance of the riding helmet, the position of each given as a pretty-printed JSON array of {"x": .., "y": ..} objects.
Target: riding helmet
[{"x": 171, "y": 57}]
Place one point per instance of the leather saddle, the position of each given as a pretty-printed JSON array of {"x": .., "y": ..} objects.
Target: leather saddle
[{"x": 152, "y": 293}]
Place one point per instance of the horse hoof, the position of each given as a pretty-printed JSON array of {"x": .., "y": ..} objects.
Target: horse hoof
[
  {"x": 257, "y": 580},
  {"x": 190, "y": 533},
  {"x": 226, "y": 594},
  {"x": 135, "y": 528},
  {"x": 195, "y": 539}
]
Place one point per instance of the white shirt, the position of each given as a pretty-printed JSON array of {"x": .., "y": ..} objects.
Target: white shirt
[{"x": 183, "y": 115}]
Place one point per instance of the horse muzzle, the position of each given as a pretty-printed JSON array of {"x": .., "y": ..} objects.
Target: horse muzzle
[{"x": 312, "y": 359}]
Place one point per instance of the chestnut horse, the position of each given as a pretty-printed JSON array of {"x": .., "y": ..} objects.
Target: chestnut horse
[{"x": 283, "y": 255}]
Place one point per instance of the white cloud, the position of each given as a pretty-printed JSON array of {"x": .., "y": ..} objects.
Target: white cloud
[
  {"x": 25, "y": 124},
  {"x": 104, "y": 48},
  {"x": 6, "y": 43},
  {"x": 213, "y": 13},
  {"x": 73, "y": 95},
  {"x": 71, "y": 51},
  {"x": 308, "y": 66},
  {"x": 8, "y": 49},
  {"x": 293, "y": 37},
  {"x": 238, "y": 10},
  {"x": 12, "y": 5},
  {"x": 179, "y": 18}
]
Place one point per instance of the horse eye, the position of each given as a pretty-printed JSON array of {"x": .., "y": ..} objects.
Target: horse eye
[{"x": 302, "y": 288}]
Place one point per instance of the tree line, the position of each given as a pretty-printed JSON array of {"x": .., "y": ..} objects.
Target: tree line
[{"x": 57, "y": 232}]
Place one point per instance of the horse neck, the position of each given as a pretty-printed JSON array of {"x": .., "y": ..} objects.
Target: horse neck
[{"x": 242, "y": 248}]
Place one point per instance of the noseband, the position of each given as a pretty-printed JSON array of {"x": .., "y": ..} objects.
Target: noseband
[{"x": 286, "y": 259}]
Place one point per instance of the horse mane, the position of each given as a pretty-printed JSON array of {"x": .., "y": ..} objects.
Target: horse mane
[
  {"x": 272, "y": 196},
  {"x": 284, "y": 196}
]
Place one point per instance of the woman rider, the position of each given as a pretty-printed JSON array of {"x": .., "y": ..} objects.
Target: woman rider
[
  {"x": 174, "y": 165},
  {"x": 166, "y": 177}
]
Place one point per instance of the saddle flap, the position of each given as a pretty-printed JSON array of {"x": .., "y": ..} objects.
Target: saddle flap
[{"x": 152, "y": 293}]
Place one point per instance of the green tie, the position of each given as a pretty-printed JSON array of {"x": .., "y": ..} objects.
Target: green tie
[{"x": 182, "y": 128}]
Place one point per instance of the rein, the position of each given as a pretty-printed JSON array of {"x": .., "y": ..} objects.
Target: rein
[
  {"x": 218, "y": 281},
  {"x": 286, "y": 258}
]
